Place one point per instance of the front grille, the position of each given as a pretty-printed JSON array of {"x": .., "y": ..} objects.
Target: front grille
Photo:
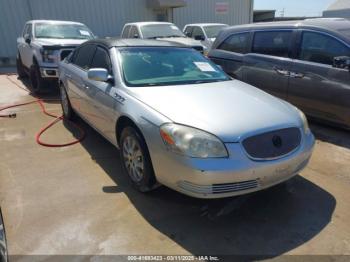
[
  {"x": 273, "y": 144},
  {"x": 219, "y": 188},
  {"x": 65, "y": 53},
  {"x": 234, "y": 187}
]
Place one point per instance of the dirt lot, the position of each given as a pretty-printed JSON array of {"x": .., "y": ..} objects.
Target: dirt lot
[{"x": 76, "y": 200}]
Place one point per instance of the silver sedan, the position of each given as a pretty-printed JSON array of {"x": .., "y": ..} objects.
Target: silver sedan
[{"x": 180, "y": 121}]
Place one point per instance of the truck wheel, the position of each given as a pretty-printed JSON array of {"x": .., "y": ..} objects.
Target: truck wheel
[
  {"x": 20, "y": 68},
  {"x": 67, "y": 109},
  {"x": 37, "y": 82},
  {"x": 136, "y": 160}
]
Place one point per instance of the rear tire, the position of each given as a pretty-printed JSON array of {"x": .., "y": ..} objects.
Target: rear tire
[
  {"x": 136, "y": 160},
  {"x": 68, "y": 112},
  {"x": 37, "y": 82},
  {"x": 20, "y": 68}
]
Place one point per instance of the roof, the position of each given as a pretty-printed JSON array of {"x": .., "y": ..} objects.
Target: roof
[
  {"x": 54, "y": 22},
  {"x": 335, "y": 25},
  {"x": 132, "y": 42},
  {"x": 339, "y": 5},
  {"x": 205, "y": 24},
  {"x": 149, "y": 23}
]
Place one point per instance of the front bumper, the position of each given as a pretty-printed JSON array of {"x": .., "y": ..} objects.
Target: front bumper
[{"x": 225, "y": 177}]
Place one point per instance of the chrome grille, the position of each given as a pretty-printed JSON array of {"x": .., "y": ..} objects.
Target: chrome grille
[
  {"x": 219, "y": 188},
  {"x": 234, "y": 187},
  {"x": 273, "y": 144}
]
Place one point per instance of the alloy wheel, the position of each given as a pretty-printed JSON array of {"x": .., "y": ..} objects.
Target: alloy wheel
[{"x": 133, "y": 158}]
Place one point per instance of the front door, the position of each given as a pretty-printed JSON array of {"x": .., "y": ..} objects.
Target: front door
[
  {"x": 316, "y": 87},
  {"x": 267, "y": 66}
]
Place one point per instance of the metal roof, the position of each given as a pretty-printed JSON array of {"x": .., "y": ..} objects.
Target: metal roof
[{"x": 131, "y": 42}]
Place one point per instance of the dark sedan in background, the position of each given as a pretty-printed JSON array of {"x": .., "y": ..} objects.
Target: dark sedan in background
[{"x": 306, "y": 63}]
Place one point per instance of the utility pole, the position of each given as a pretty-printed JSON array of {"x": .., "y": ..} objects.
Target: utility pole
[{"x": 282, "y": 12}]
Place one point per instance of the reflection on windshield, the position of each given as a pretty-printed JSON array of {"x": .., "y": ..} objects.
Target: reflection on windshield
[
  {"x": 213, "y": 31},
  {"x": 161, "y": 30},
  {"x": 62, "y": 31},
  {"x": 168, "y": 66}
]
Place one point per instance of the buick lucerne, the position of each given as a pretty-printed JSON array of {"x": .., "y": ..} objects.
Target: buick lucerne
[{"x": 180, "y": 121}]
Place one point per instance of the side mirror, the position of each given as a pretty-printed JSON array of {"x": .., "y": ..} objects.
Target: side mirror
[
  {"x": 199, "y": 37},
  {"x": 188, "y": 34},
  {"x": 99, "y": 74},
  {"x": 342, "y": 62},
  {"x": 27, "y": 38}
]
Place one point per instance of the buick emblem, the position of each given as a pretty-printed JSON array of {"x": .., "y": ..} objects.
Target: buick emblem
[{"x": 277, "y": 141}]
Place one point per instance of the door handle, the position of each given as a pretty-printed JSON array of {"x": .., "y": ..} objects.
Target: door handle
[
  {"x": 68, "y": 76},
  {"x": 281, "y": 71},
  {"x": 296, "y": 75}
]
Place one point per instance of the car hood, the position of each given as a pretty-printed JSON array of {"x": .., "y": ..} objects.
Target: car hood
[
  {"x": 63, "y": 42},
  {"x": 231, "y": 110},
  {"x": 182, "y": 40}
]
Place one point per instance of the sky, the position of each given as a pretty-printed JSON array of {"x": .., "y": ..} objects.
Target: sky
[{"x": 294, "y": 7}]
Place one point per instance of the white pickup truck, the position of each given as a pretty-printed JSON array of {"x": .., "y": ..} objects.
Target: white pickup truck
[{"x": 43, "y": 44}]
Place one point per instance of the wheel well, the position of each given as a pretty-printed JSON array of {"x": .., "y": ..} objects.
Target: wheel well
[{"x": 123, "y": 122}]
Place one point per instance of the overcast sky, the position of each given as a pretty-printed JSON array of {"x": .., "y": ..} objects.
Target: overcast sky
[{"x": 294, "y": 7}]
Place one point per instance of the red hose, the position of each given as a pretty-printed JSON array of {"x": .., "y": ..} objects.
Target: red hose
[{"x": 52, "y": 123}]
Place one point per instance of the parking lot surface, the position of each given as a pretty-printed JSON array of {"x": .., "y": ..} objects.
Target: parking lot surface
[{"x": 76, "y": 200}]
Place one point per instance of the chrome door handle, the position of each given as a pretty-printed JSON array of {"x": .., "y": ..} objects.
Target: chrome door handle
[
  {"x": 68, "y": 75},
  {"x": 281, "y": 71},
  {"x": 296, "y": 75}
]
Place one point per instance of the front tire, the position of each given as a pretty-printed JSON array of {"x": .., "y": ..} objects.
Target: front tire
[
  {"x": 67, "y": 109},
  {"x": 136, "y": 160},
  {"x": 37, "y": 82}
]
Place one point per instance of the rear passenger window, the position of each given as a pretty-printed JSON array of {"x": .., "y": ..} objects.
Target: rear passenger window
[
  {"x": 101, "y": 60},
  {"x": 238, "y": 43},
  {"x": 274, "y": 43},
  {"x": 126, "y": 32},
  {"x": 134, "y": 32},
  {"x": 188, "y": 31},
  {"x": 320, "y": 48},
  {"x": 83, "y": 56}
]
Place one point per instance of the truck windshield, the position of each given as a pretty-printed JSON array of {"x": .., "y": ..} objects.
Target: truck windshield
[
  {"x": 161, "y": 30},
  {"x": 213, "y": 30},
  {"x": 62, "y": 31},
  {"x": 161, "y": 66}
]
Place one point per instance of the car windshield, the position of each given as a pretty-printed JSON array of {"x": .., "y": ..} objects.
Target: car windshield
[
  {"x": 157, "y": 66},
  {"x": 62, "y": 31},
  {"x": 212, "y": 31},
  {"x": 161, "y": 30}
]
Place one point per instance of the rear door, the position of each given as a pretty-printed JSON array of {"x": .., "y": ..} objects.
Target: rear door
[
  {"x": 267, "y": 65},
  {"x": 230, "y": 54},
  {"x": 316, "y": 87},
  {"x": 78, "y": 67}
]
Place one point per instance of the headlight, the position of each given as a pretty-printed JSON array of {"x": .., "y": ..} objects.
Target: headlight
[
  {"x": 305, "y": 123},
  {"x": 192, "y": 142},
  {"x": 48, "y": 55}
]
